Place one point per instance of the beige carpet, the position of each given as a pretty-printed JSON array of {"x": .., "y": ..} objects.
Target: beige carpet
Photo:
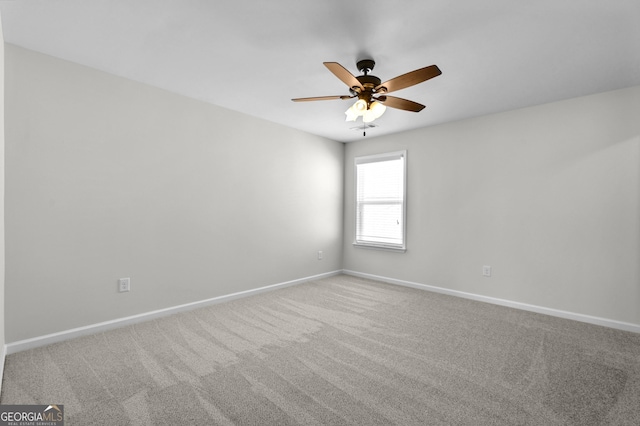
[{"x": 339, "y": 351}]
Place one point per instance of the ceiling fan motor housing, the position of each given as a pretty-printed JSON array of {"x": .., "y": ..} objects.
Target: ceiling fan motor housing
[{"x": 369, "y": 83}]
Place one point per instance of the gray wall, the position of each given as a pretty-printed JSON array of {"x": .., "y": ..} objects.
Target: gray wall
[
  {"x": 547, "y": 196},
  {"x": 2, "y": 263},
  {"x": 109, "y": 178}
]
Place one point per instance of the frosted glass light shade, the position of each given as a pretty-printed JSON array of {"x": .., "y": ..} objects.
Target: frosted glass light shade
[
  {"x": 370, "y": 113},
  {"x": 377, "y": 109},
  {"x": 351, "y": 114},
  {"x": 360, "y": 106},
  {"x": 368, "y": 116}
]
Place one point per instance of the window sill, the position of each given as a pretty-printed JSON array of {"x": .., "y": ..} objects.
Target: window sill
[{"x": 373, "y": 246}]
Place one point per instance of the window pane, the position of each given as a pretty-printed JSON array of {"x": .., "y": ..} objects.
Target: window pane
[
  {"x": 381, "y": 180},
  {"x": 381, "y": 223},
  {"x": 380, "y": 199}
]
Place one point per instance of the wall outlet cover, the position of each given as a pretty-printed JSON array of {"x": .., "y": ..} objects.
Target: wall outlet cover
[{"x": 124, "y": 284}]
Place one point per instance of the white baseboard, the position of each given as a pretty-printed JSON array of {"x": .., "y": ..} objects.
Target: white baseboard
[
  {"x": 511, "y": 304},
  {"x": 48, "y": 339},
  {"x": 35, "y": 342}
]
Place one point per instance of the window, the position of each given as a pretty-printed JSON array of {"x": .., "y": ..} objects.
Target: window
[{"x": 380, "y": 200}]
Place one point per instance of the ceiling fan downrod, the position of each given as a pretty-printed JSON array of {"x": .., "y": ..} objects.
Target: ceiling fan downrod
[{"x": 365, "y": 66}]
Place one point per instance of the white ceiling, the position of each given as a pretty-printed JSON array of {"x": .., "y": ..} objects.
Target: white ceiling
[{"x": 254, "y": 56}]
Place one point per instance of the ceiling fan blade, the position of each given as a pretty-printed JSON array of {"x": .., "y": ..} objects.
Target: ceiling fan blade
[
  {"x": 399, "y": 103},
  {"x": 321, "y": 98},
  {"x": 343, "y": 74},
  {"x": 409, "y": 79}
]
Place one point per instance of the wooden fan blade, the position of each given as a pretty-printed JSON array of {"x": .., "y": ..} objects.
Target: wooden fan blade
[
  {"x": 343, "y": 74},
  {"x": 399, "y": 103},
  {"x": 409, "y": 79},
  {"x": 321, "y": 98}
]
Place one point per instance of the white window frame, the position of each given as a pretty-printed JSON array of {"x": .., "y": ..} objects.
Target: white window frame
[{"x": 375, "y": 244}]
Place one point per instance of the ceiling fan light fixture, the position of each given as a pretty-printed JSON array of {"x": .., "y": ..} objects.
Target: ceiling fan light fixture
[
  {"x": 351, "y": 114},
  {"x": 360, "y": 106},
  {"x": 377, "y": 109},
  {"x": 356, "y": 110},
  {"x": 368, "y": 116}
]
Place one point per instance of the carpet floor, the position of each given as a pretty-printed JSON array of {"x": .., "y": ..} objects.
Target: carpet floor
[{"x": 339, "y": 351}]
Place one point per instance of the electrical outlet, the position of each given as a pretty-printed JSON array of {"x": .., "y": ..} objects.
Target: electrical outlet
[
  {"x": 124, "y": 284},
  {"x": 486, "y": 271},
  {"x": 320, "y": 255}
]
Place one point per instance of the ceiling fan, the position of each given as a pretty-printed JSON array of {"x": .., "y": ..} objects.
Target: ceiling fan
[{"x": 372, "y": 93}]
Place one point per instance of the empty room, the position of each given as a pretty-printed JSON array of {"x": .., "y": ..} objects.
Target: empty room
[{"x": 320, "y": 213}]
